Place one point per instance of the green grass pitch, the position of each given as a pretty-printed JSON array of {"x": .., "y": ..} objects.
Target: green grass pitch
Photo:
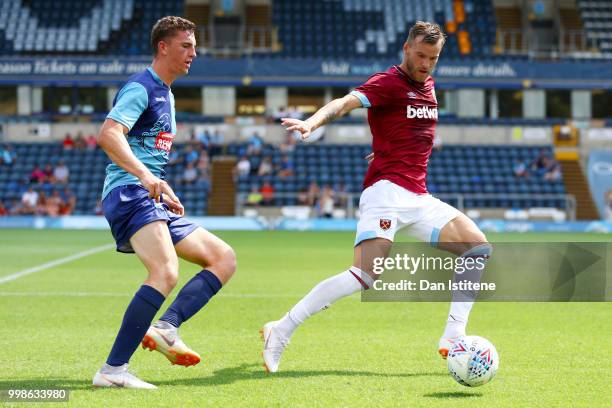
[{"x": 57, "y": 327}]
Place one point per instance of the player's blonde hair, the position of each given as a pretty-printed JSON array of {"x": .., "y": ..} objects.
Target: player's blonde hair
[
  {"x": 167, "y": 27},
  {"x": 432, "y": 33}
]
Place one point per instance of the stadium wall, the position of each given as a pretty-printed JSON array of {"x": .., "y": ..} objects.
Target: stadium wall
[
  {"x": 68, "y": 71},
  {"x": 260, "y": 224}
]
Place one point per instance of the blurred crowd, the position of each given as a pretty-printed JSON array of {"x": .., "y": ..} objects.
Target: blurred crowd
[{"x": 544, "y": 166}]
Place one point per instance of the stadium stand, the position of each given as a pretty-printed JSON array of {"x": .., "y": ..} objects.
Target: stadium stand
[
  {"x": 597, "y": 20},
  {"x": 484, "y": 174},
  {"x": 479, "y": 171},
  {"x": 87, "y": 170},
  {"x": 377, "y": 28},
  {"x": 114, "y": 27}
]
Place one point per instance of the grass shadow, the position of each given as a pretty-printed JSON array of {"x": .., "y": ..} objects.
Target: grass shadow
[
  {"x": 245, "y": 372},
  {"x": 223, "y": 376},
  {"x": 454, "y": 394},
  {"x": 47, "y": 383}
]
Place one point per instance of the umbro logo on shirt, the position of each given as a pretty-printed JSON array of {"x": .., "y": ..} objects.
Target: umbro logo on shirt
[
  {"x": 411, "y": 94},
  {"x": 160, "y": 99}
]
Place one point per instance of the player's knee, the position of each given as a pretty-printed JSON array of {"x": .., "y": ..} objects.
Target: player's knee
[
  {"x": 476, "y": 238},
  {"x": 166, "y": 274},
  {"x": 171, "y": 279},
  {"x": 227, "y": 262}
]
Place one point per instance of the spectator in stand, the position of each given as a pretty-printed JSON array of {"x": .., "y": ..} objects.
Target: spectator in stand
[
  {"x": 7, "y": 155},
  {"x": 15, "y": 208},
  {"x": 68, "y": 142},
  {"x": 294, "y": 113},
  {"x": 286, "y": 167},
  {"x": 48, "y": 170},
  {"x": 342, "y": 196},
  {"x": 37, "y": 175},
  {"x": 203, "y": 182},
  {"x": 279, "y": 114},
  {"x": 243, "y": 168},
  {"x": 190, "y": 174},
  {"x": 69, "y": 202},
  {"x": 41, "y": 205},
  {"x": 61, "y": 173},
  {"x": 553, "y": 170},
  {"x": 79, "y": 142},
  {"x": 254, "y": 198},
  {"x": 204, "y": 139},
  {"x": 265, "y": 168},
  {"x": 288, "y": 144},
  {"x": 98, "y": 208},
  {"x": 255, "y": 144},
  {"x": 174, "y": 158},
  {"x": 267, "y": 193},
  {"x": 520, "y": 169},
  {"x": 203, "y": 167},
  {"x": 91, "y": 142},
  {"x": 538, "y": 166},
  {"x": 326, "y": 202},
  {"x": 216, "y": 142},
  {"x": 190, "y": 154},
  {"x": 3, "y": 210},
  {"x": 302, "y": 197},
  {"x": 313, "y": 193},
  {"x": 54, "y": 204}
]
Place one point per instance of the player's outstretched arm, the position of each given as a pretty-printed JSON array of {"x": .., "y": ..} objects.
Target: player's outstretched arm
[
  {"x": 112, "y": 140},
  {"x": 333, "y": 110}
]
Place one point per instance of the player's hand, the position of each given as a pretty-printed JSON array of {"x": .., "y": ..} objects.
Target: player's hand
[
  {"x": 369, "y": 157},
  {"x": 158, "y": 187},
  {"x": 300, "y": 125}
]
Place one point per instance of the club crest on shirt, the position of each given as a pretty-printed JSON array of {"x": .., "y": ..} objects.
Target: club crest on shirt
[
  {"x": 384, "y": 223},
  {"x": 163, "y": 124}
]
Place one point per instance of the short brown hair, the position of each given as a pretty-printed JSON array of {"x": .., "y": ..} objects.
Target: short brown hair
[
  {"x": 167, "y": 27},
  {"x": 431, "y": 31}
]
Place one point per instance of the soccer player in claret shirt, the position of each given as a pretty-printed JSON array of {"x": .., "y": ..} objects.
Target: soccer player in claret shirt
[
  {"x": 402, "y": 114},
  {"x": 145, "y": 215}
]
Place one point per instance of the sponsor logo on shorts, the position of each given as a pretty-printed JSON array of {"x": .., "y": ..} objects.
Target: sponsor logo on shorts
[{"x": 385, "y": 224}]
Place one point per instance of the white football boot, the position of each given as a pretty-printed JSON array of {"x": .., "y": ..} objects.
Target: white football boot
[
  {"x": 274, "y": 345},
  {"x": 168, "y": 342},
  {"x": 119, "y": 377}
]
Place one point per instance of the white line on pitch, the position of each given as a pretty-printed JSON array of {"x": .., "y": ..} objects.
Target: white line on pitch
[{"x": 56, "y": 262}]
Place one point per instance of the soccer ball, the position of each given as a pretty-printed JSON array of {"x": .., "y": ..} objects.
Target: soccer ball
[{"x": 473, "y": 361}]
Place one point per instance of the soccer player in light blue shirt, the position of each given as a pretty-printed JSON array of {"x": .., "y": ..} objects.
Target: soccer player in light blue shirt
[{"x": 145, "y": 215}]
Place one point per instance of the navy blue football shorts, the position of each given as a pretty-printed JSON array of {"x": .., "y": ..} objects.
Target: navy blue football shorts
[{"x": 128, "y": 208}]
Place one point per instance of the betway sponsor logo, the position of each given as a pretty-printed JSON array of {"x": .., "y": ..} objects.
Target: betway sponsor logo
[{"x": 423, "y": 112}]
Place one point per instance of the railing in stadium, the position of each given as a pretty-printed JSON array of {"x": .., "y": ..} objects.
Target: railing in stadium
[
  {"x": 248, "y": 40},
  {"x": 571, "y": 43}
]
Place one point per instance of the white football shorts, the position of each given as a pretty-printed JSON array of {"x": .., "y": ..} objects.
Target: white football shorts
[{"x": 385, "y": 208}]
